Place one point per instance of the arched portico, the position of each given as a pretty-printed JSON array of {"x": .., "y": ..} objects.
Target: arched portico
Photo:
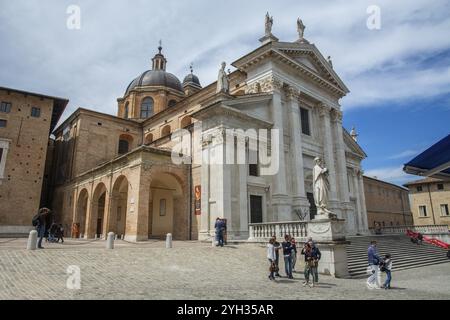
[
  {"x": 81, "y": 211},
  {"x": 119, "y": 207},
  {"x": 97, "y": 213}
]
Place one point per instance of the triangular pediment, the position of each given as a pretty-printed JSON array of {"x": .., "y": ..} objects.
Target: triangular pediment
[
  {"x": 308, "y": 56},
  {"x": 351, "y": 146}
]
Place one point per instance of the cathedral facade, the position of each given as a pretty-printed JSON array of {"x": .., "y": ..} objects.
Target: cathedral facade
[{"x": 117, "y": 173}]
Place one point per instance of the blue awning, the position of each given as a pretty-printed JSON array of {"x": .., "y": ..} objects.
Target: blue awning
[{"x": 433, "y": 162}]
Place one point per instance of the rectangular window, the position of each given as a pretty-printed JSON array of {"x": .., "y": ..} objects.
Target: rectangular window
[
  {"x": 162, "y": 207},
  {"x": 253, "y": 170},
  {"x": 422, "y": 211},
  {"x": 440, "y": 186},
  {"x": 2, "y": 123},
  {"x": 419, "y": 189},
  {"x": 444, "y": 210},
  {"x": 304, "y": 116},
  {"x": 5, "y": 107},
  {"x": 35, "y": 112}
]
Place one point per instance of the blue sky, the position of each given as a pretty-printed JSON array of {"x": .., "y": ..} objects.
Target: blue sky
[{"x": 399, "y": 75}]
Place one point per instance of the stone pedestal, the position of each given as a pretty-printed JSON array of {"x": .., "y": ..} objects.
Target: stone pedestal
[{"x": 329, "y": 236}]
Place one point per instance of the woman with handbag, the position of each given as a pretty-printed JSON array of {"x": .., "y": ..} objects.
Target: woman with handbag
[{"x": 272, "y": 257}]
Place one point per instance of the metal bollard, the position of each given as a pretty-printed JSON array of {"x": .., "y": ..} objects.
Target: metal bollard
[
  {"x": 110, "y": 241},
  {"x": 32, "y": 240},
  {"x": 169, "y": 241}
]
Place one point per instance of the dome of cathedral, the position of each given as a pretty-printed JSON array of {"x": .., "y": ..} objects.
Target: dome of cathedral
[
  {"x": 191, "y": 79},
  {"x": 158, "y": 76}
]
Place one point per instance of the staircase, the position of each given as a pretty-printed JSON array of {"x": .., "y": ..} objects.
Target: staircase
[{"x": 405, "y": 254}]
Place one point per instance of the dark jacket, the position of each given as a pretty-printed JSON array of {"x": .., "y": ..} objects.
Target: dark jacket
[{"x": 287, "y": 248}]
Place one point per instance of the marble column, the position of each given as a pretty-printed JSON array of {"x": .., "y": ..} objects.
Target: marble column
[
  {"x": 364, "y": 228},
  {"x": 328, "y": 150},
  {"x": 280, "y": 199},
  {"x": 300, "y": 200},
  {"x": 358, "y": 208},
  {"x": 205, "y": 183},
  {"x": 243, "y": 211}
]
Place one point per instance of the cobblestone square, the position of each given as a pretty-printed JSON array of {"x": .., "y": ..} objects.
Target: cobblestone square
[{"x": 190, "y": 270}]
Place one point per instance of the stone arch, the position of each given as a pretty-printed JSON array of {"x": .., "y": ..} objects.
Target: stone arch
[
  {"x": 98, "y": 211},
  {"x": 165, "y": 131},
  {"x": 168, "y": 207},
  {"x": 119, "y": 206},
  {"x": 186, "y": 121},
  {"x": 81, "y": 212},
  {"x": 148, "y": 138}
]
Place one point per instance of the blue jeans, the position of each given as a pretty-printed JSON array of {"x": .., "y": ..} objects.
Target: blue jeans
[
  {"x": 219, "y": 236},
  {"x": 288, "y": 265},
  {"x": 387, "y": 283},
  {"x": 41, "y": 233}
]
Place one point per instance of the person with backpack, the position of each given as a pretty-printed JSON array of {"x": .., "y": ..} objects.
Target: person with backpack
[
  {"x": 387, "y": 267},
  {"x": 373, "y": 282},
  {"x": 316, "y": 255}
]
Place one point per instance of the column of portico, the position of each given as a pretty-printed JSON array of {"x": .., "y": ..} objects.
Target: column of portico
[
  {"x": 358, "y": 208},
  {"x": 300, "y": 200},
  {"x": 328, "y": 150},
  {"x": 341, "y": 168},
  {"x": 281, "y": 207},
  {"x": 364, "y": 227},
  {"x": 205, "y": 183}
]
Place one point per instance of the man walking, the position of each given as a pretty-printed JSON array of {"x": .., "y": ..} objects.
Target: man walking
[
  {"x": 374, "y": 260},
  {"x": 287, "y": 253}
]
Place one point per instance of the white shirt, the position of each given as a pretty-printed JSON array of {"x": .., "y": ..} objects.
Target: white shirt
[{"x": 271, "y": 252}]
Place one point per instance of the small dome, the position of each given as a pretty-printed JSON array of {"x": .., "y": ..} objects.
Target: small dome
[
  {"x": 191, "y": 79},
  {"x": 155, "y": 78}
]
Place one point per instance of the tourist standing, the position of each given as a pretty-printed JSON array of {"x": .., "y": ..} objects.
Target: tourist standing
[
  {"x": 373, "y": 282},
  {"x": 219, "y": 231},
  {"x": 293, "y": 253},
  {"x": 306, "y": 251},
  {"x": 277, "y": 247},
  {"x": 287, "y": 254},
  {"x": 272, "y": 257},
  {"x": 41, "y": 225},
  {"x": 387, "y": 267},
  {"x": 315, "y": 257},
  {"x": 60, "y": 233}
]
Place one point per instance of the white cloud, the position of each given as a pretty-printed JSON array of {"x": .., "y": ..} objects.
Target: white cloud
[
  {"x": 391, "y": 174},
  {"x": 404, "y": 154}
]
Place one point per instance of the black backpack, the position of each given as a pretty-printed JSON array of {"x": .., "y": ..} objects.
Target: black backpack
[{"x": 35, "y": 220}]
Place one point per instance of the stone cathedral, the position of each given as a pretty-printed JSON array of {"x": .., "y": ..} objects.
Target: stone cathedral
[{"x": 116, "y": 173}]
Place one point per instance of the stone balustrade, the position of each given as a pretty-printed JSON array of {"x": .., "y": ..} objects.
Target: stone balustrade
[
  {"x": 263, "y": 231},
  {"x": 427, "y": 229}
]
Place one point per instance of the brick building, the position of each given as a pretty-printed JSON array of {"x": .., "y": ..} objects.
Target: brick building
[{"x": 26, "y": 121}]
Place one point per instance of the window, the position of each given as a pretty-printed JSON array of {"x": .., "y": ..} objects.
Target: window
[
  {"x": 422, "y": 211},
  {"x": 444, "y": 210},
  {"x": 35, "y": 112},
  {"x": 256, "y": 209},
  {"x": 123, "y": 146},
  {"x": 165, "y": 131},
  {"x": 126, "y": 111},
  {"x": 1, "y": 154},
  {"x": 5, "y": 107},
  {"x": 253, "y": 170},
  {"x": 304, "y": 115},
  {"x": 2, "y": 123},
  {"x": 419, "y": 189},
  {"x": 162, "y": 207},
  {"x": 147, "y": 108},
  {"x": 440, "y": 186},
  {"x": 172, "y": 103}
]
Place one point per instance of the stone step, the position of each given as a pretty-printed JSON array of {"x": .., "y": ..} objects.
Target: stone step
[{"x": 361, "y": 273}]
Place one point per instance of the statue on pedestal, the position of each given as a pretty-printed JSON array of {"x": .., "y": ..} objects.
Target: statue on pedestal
[
  {"x": 321, "y": 188},
  {"x": 269, "y": 24},
  {"x": 223, "y": 84},
  {"x": 300, "y": 29}
]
